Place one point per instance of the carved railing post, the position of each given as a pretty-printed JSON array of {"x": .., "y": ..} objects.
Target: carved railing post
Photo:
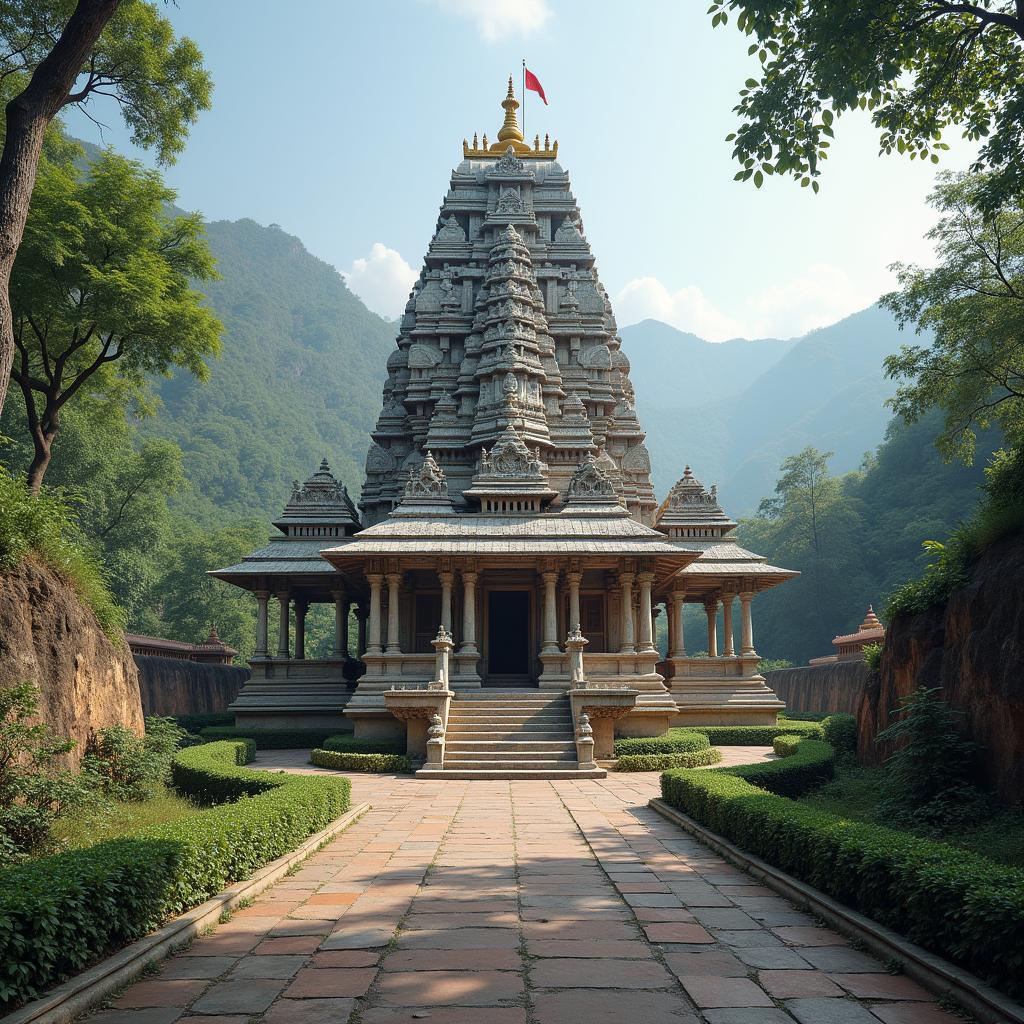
[
  {"x": 435, "y": 742},
  {"x": 585, "y": 743},
  {"x": 574, "y": 644},
  {"x": 442, "y": 645}
]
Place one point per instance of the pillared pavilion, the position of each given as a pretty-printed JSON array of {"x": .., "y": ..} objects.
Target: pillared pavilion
[{"x": 510, "y": 552}]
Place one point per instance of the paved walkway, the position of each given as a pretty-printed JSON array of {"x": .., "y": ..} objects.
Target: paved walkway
[{"x": 519, "y": 903}]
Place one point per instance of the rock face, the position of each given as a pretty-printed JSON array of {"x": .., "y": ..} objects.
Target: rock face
[
  {"x": 973, "y": 648},
  {"x": 50, "y": 638},
  {"x": 838, "y": 686},
  {"x": 170, "y": 686}
]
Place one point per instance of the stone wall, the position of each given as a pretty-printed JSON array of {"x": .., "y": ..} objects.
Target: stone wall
[
  {"x": 50, "y": 638},
  {"x": 837, "y": 686},
  {"x": 171, "y": 686},
  {"x": 973, "y": 648}
]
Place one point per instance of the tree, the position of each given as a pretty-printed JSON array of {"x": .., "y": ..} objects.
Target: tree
[
  {"x": 101, "y": 295},
  {"x": 919, "y": 66},
  {"x": 805, "y": 491},
  {"x": 973, "y": 302},
  {"x": 60, "y": 53}
]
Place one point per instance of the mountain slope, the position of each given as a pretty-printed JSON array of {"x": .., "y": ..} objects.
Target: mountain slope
[{"x": 299, "y": 377}]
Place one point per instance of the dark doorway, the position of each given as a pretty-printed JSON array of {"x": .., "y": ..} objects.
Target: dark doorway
[{"x": 508, "y": 636}]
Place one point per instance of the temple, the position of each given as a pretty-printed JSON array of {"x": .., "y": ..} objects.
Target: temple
[{"x": 511, "y": 558}]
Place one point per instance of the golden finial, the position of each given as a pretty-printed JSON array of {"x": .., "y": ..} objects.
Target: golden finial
[
  {"x": 536, "y": 142},
  {"x": 475, "y": 143},
  {"x": 547, "y": 141},
  {"x": 510, "y": 131},
  {"x": 485, "y": 140}
]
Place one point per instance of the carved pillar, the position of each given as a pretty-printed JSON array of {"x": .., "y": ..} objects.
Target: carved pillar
[
  {"x": 678, "y": 649},
  {"x": 446, "y": 599},
  {"x": 626, "y": 584},
  {"x": 282, "y": 632},
  {"x": 342, "y": 606},
  {"x": 711, "y": 608},
  {"x": 375, "y": 582},
  {"x": 574, "y": 579},
  {"x": 262, "y": 597},
  {"x": 300, "y": 629},
  {"x": 362, "y": 614},
  {"x": 549, "y": 644},
  {"x": 727, "y": 601},
  {"x": 646, "y": 617},
  {"x": 394, "y": 583},
  {"x": 468, "y": 645},
  {"x": 747, "y": 639}
]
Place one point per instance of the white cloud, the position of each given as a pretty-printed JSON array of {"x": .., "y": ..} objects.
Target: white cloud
[
  {"x": 382, "y": 280},
  {"x": 498, "y": 19},
  {"x": 819, "y": 295}
]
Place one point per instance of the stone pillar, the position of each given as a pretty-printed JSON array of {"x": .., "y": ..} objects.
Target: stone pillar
[
  {"x": 646, "y": 615},
  {"x": 342, "y": 605},
  {"x": 262, "y": 597},
  {"x": 300, "y": 630},
  {"x": 574, "y": 579},
  {"x": 626, "y": 584},
  {"x": 282, "y": 632},
  {"x": 711, "y": 608},
  {"x": 549, "y": 644},
  {"x": 727, "y": 600},
  {"x": 362, "y": 614},
  {"x": 374, "y": 646},
  {"x": 677, "y": 606},
  {"x": 747, "y": 639},
  {"x": 394, "y": 583},
  {"x": 442, "y": 645},
  {"x": 446, "y": 599},
  {"x": 468, "y": 645}
]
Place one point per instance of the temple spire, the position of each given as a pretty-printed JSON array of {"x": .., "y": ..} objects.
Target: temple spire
[
  {"x": 511, "y": 135},
  {"x": 510, "y": 131}
]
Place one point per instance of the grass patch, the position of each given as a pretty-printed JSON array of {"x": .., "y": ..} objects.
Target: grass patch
[
  {"x": 86, "y": 826},
  {"x": 855, "y": 794}
]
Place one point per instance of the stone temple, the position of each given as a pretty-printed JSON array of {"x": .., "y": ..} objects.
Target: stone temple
[{"x": 510, "y": 556}]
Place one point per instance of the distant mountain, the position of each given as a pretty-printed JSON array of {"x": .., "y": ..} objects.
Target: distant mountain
[
  {"x": 300, "y": 376},
  {"x": 735, "y": 410}
]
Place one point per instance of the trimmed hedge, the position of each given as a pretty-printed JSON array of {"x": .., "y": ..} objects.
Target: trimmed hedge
[
  {"x": 841, "y": 732},
  {"x": 269, "y": 739},
  {"x": 355, "y": 762},
  {"x": 60, "y": 914},
  {"x": 675, "y": 741},
  {"x": 346, "y": 743},
  {"x": 952, "y": 902},
  {"x": 785, "y": 746},
  {"x": 756, "y": 735},
  {"x": 812, "y": 764},
  {"x": 659, "y": 762},
  {"x": 205, "y": 720}
]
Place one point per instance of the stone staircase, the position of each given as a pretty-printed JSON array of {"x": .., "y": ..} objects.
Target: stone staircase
[{"x": 510, "y": 734}]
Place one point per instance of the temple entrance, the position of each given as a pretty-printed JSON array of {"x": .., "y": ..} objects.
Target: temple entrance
[{"x": 509, "y": 651}]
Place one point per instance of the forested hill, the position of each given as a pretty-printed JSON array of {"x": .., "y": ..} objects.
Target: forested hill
[
  {"x": 299, "y": 378},
  {"x": 735, "y": 410}
]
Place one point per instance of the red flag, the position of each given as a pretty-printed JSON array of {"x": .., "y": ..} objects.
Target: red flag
[{"x": 533, "y": 82}]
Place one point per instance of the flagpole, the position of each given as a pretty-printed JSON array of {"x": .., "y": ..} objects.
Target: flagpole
[{"x": 524, "y": 98}]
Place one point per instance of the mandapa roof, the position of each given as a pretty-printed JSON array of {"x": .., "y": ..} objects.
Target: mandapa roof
[
  {"x": 281, "y": 555},
  {"x": 723, "y": 557}
]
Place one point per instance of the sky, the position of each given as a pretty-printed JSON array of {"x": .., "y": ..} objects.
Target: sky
[{"x": 341, "y": 121}]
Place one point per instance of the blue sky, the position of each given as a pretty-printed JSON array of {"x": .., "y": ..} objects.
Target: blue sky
[{"x": 341, "y": 121}]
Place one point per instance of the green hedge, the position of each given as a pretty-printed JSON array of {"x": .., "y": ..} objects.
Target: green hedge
[
  {"x": 841, "y": 732},
  {"x": 952, "y": 902},
  {"x": 812, "y": 764},
  {"x": 60, "y": 914},
  {"x": 785, "y": 746},
  {"x": 205, "y": 720},
  {"x": 346, "y": 743},
  {"x": 659, "y": 762},
  {"x": 675, "y": 741},
  {"x": 756, "y": 735},
  {"x": 269, "y": 739},
  {"x": 355, "y": 762}
]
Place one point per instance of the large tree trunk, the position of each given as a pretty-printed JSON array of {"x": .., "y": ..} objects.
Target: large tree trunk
[
  {"x": 27, "y": 116},
  {"x": 40, "y": 462}
]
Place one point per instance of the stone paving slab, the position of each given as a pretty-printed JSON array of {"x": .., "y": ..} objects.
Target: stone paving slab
[{"x": 524, "y": 902}]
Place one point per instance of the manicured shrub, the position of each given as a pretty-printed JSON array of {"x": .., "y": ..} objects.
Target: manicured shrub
[
  {"x": 812, "y": 764},
  {"x": 756, "y": 735},
  {"x": 841, "y": 733},
  {"x": 59, "y": 914},
  {"x": 355, "y": 762},
  {"x": 660, "y": 762},
  {"x": 345, "y": 743},
  {"x": 193, "y": 723},
  {"x": 675, "y": 741},
  {"x": 785, "y": 746},
  {"x": 952, "y": 902},
  {"x": 269, "y": 739}
]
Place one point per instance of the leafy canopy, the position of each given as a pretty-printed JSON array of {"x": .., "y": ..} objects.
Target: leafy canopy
[
  {"x": 919, "y": 66},
  {"x": 157, "y": 80},
  {"x": 973, "y": 302}
]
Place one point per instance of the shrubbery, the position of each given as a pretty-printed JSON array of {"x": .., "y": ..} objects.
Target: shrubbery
[
  {"x": 346, "y": 743},
  {"x": 269, "y": 739},
  {"x": 356, "y": 762},
  {"x": 812, "y": 764},
  {"x": 124, "y": 766},
  {"x": 756, "y": 735},
  {"x": 951, "y": 902},
  {"x": 204, "y": 720},
  {"x": 60, "y": 914},
  {"x": 675, "y": 741},
  {"x": 785, "y": 746},
  {"x": 660, "y": 762}
]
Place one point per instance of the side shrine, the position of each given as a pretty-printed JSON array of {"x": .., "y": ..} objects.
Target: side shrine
[{"x": 511, "y": 556}]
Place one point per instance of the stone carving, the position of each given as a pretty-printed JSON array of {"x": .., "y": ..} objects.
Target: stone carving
[
  {"x": 569, "y": 230},
  {"x": 450, "y": 231},
  {"x": 689, "y": 491},
  {"x": 320, "y": 489},
  {"x": 429, "y": 481},
  {"x": 637, "y": 459},
  {"x": 450, "y": 296},
  {"x": 508, "y": 164},
  {"x": 509, "y": 457},
  {"x": 511, "y": 201},
  {"x": 379, "y": 460},
  {"x": 510, "y": 388},
  {"x": 588, "y": 481}
]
